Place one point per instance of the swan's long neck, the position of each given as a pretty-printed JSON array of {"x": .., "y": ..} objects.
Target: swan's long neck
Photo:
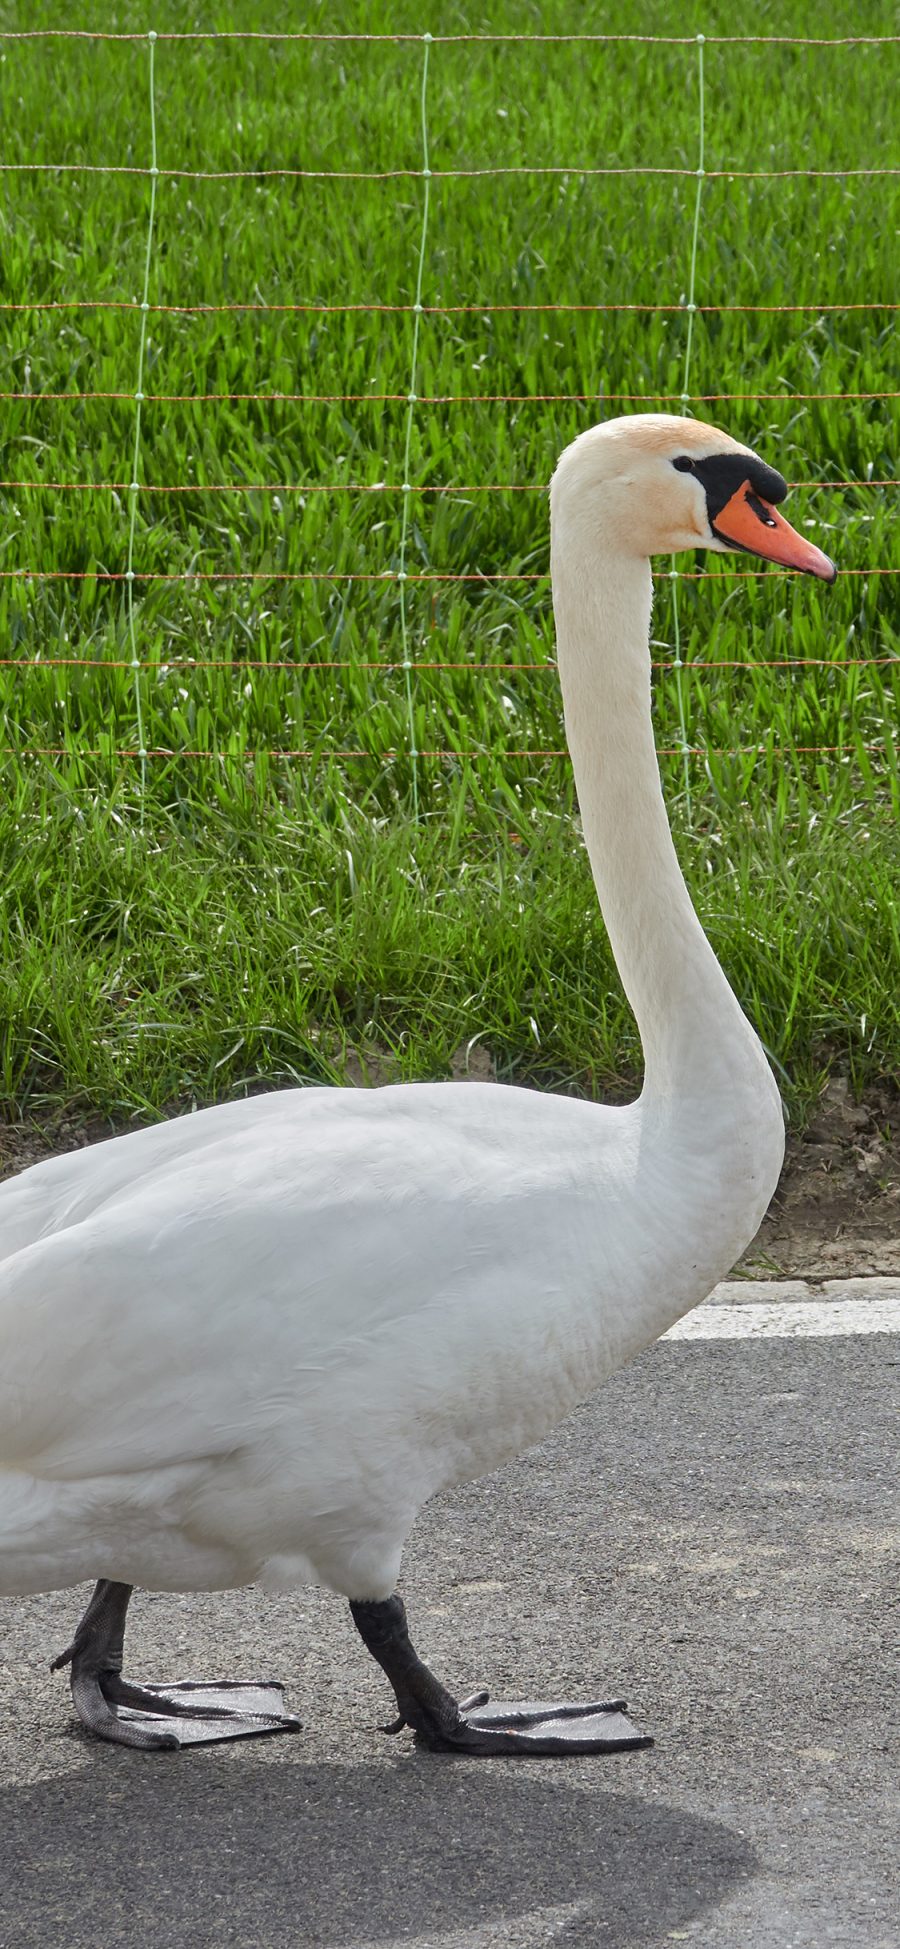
[{"x": 697, "y": 1043}]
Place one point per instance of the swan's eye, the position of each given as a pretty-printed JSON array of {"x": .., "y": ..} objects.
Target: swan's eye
[{"x": 684, "y": 464}]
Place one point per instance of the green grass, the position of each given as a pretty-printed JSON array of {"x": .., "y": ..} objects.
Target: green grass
[{"x": 241, "y": 916}]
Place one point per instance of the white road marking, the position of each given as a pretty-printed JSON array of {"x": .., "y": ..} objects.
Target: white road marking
[{"x": 783, "y": 1320}]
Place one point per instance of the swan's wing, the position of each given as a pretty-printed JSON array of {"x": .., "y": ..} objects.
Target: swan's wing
[
  {"x": 61, "y": 1191},
  {"x": 180, "y": 1309}
]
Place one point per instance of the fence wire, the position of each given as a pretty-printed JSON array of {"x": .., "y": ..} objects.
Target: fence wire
[{"x": 138, "y": 491}]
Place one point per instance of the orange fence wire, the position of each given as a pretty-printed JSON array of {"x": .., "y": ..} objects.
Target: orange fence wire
[
  {"x": 239, "y": 665},
  {"x": 391, "y": 755},
  {"x": 385, "y": 576},
  {"x": 437, "y": 399},
  {"x": 335, "y": 487}
]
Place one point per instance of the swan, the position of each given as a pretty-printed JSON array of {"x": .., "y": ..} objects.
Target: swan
[{"x": 249, "y": 1344}]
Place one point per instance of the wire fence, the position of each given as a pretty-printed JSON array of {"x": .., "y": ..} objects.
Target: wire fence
[
  {"x": 214, "y": 36},
  {"x": 443, "y": 311},
  {"x": 137, "y": 579}
]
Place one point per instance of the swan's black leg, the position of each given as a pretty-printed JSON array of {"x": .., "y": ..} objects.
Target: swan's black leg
[
  {"x": 152, "y": 1717},
  {"x": 438, "y": 1721}
]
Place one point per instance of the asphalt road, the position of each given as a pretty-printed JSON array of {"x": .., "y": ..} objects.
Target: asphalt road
[{"x": 714, "y": 1537}]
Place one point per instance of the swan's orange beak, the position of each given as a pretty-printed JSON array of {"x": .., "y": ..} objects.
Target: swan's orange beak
[{"x": 752, "y": 523}]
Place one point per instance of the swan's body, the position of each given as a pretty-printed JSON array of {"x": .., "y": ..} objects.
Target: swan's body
[
  {"x": 250, "y": 1344},
  {"x": 330, "y": 1305}
]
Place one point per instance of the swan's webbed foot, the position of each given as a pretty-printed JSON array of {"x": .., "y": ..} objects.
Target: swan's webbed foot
[
  {"x": 153, "y": 1717},
  {"x": 524, "y": 1728}
]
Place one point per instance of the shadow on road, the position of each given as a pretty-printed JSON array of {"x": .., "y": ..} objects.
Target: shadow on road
[{"x": 199, "y": 1849}]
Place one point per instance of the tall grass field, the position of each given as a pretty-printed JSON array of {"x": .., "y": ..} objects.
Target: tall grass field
[{"x": 283, "y": 767}]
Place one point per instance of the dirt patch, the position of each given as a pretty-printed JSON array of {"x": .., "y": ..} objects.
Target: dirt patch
[{"x": 836, "y": 1212}]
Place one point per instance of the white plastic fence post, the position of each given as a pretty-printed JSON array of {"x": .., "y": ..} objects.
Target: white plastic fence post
[
  {"x": 134, "y": 488},
  {"x": 410, "y": 413},
  {"x": 685, "y": 402}
]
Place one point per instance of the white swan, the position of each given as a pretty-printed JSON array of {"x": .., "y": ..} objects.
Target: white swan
[{"x": 250, "y": 1344}]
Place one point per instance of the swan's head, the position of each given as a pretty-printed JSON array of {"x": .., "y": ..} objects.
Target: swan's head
[{"x": 651, "y": 484}]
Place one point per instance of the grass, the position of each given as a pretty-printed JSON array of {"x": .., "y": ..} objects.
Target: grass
[{"x": 191, "y": 928}]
